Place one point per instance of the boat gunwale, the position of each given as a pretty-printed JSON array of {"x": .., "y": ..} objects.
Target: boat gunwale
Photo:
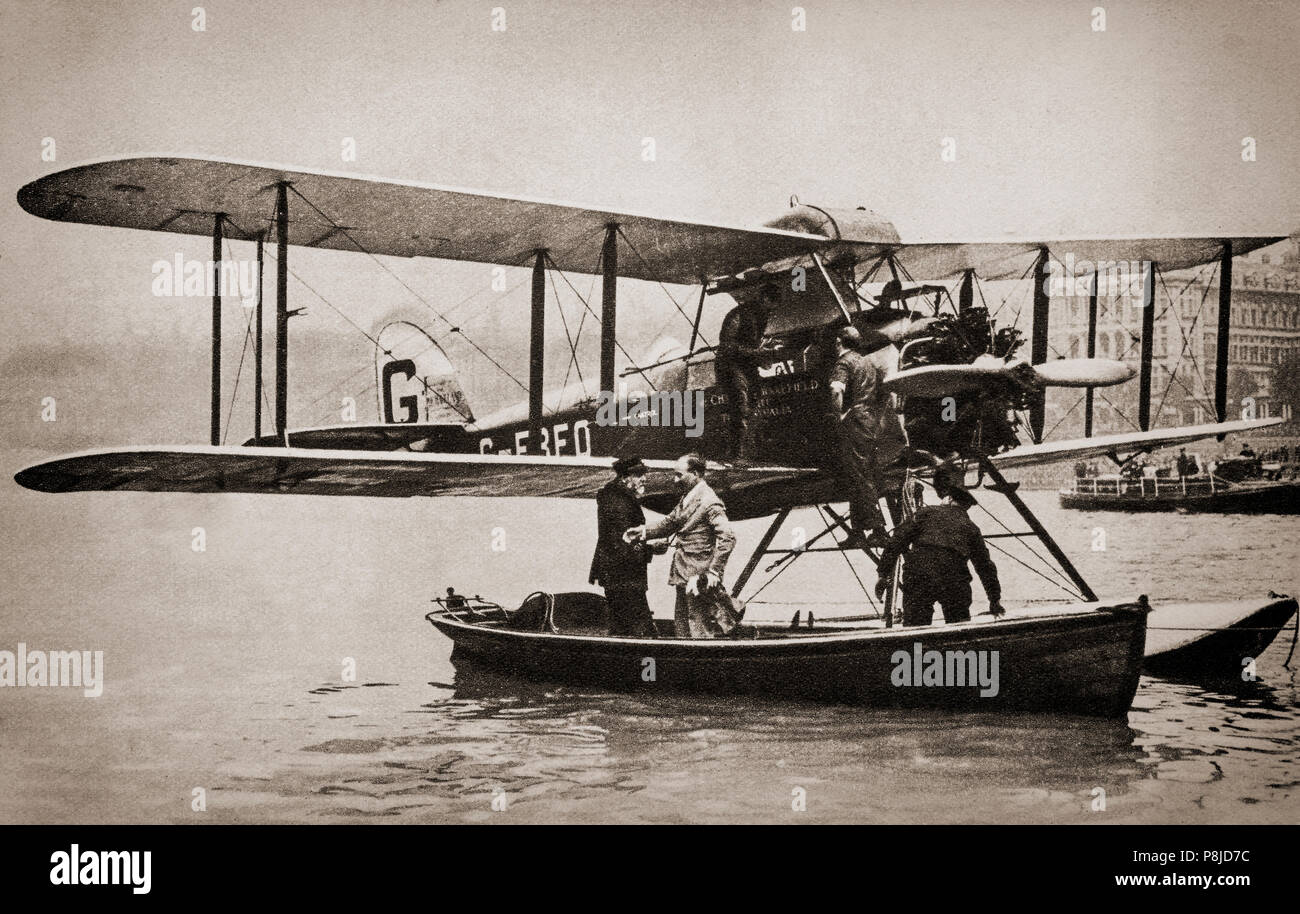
[{"x": 1099, "y": 615}]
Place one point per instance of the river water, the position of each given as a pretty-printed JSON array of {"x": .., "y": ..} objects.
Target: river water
[{"x": 226, "y": 694}]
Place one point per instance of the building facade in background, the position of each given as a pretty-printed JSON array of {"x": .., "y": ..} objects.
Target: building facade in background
[{"x": 1263, "y": 355}]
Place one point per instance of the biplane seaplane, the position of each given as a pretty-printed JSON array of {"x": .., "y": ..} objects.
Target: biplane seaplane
[{"x": 966, "y": 392}]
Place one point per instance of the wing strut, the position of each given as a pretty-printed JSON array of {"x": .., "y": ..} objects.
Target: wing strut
[
  {"x": 608, "y": 305},
  {"x": 839, "y": 299},
  {"x": 699, "y": 315},
  {"x": 1221, "y": 350},
  {"x": 282, "y": 312},
  {"x": 1148, "y": 346},
  {"x": 1092, "y": 350},
  {"x": 536, "y": 353},
  {"x": 257, "y": 356},
  {"x": 217, "y": 220},
  {"x": 1038, "y": 340}
]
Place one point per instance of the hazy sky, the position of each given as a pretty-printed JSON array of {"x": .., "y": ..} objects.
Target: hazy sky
[{"x": 1059, "y": 129}]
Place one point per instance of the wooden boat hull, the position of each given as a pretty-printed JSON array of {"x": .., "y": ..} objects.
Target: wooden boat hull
[
  {"x": 1240, "y": 498},
  {"x": 1086, "y": 662}
]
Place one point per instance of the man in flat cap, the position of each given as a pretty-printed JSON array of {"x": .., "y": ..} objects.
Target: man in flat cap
[
  {"x": 620, "y": 566},
  {"x": 942, "y": 540}
]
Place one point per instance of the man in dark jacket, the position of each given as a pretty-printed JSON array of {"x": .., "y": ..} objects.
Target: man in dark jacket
[
  {"x": 942, "y": 540},
  {"x": 859, "y": 404},
  {"x": 741, "y": 349},
  {"x": 618, "y": 566}
]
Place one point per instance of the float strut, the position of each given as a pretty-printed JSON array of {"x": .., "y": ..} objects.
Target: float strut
[
  {"x": 759, "y": 551},
  {"x": 1001, "y": 486}
]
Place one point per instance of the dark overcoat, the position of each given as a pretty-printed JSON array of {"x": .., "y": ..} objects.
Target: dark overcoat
[{"x": 616, "y": 563}]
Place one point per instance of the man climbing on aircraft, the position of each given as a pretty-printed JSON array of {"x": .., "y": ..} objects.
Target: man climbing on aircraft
[
  {"x": 942, "y": 540},
  {"x": 704, "y": 609},
  {"x": 859, "y": 401},
  {"x": 741, "y": 349},
  {"x": 893, "y": 450}
]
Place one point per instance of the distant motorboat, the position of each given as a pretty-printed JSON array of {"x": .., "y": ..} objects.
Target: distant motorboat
[{"x": 1210, "y": 492}]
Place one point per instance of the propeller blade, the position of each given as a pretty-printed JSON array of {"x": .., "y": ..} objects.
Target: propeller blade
[{"x": 1084, "y": 373}]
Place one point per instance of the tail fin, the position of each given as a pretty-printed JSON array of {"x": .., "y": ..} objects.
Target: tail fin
[{"x": 415, "y": 379}]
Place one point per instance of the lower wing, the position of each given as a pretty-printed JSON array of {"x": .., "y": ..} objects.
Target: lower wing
[
  {"x": 1126, "y": 443},
  {"x": 304, "y": 471},
  {"x": 749, "y": 491}
]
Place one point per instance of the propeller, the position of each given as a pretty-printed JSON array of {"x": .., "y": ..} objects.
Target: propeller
[{"x": 989, "y": 371}]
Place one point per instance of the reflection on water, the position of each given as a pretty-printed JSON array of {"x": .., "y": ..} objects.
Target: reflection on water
[
  {"x": 1187, "y": 753},
  {"x": 224, "y": 672}
]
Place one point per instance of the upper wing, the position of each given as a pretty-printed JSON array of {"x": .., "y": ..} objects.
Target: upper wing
[
  {"x": 1126, "y": 443},
  {"x": 300, "y": 471},
  {"x": 401, "y": 218},
  {"x": 996, "y": 260},
  {"x": 410, "y": 219}
]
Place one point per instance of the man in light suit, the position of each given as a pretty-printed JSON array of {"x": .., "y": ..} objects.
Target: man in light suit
[{"x": 704, "y": 541}]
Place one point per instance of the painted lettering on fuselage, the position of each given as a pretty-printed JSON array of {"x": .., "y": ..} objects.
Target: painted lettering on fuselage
[
  {"x": 788, "y": 422},
  {"x": 409, "y": 403},
  {"x": 559, "y": 439}
]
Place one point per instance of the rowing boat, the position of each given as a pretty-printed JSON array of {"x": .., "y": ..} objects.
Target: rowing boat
[{"x": 1086, "y": 661}]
